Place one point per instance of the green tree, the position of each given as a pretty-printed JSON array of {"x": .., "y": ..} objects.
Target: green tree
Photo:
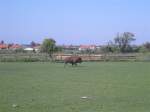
[
  {"x": 110, "y": 48},
  {"x": 58, "y": 49},
  {"x": 124, "y": 40},
  {"x": 49, "y": 46},
  {"x": 2, "y": 42},
  {"x": 147, "y": 46},
  {"x": 33, "y": 44}
]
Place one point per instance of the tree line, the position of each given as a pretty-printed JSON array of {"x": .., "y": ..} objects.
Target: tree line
[{"x": 122, "y": 43}]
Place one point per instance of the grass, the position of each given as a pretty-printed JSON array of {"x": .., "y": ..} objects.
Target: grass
[{"x": 49, "y": 87}]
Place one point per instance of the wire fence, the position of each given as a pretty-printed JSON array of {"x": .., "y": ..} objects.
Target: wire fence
[{"x": 33, "y": 57}]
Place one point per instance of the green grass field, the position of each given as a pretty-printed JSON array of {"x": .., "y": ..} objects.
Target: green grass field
[{"x": 49, "y": 87}]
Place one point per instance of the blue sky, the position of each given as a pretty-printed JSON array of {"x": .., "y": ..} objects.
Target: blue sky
[{"x": 73, "y": 21}]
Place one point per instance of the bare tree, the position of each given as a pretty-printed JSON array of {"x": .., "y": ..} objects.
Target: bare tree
[{"x": 124, "y": 40}]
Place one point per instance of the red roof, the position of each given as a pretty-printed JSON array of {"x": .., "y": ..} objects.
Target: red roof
[
  {"x": 15, "y": 46},
  {"x": 3, "y": 46}
]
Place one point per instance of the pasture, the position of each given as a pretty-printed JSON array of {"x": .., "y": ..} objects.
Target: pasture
[{"x": 90, "y": 87}]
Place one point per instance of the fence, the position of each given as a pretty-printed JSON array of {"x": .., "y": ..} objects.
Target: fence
[
  {"x": 60, "y": 57},
  {"x": 100, "y": 57}
]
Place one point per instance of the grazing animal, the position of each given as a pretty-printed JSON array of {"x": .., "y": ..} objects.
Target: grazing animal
[{"x": 73, "y": 60}]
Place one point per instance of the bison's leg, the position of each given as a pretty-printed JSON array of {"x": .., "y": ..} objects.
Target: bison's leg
[
  {"x": 72, "y": 63},
  {"x": 75, "y": 64},
  {"x": 65, "y": 64}
]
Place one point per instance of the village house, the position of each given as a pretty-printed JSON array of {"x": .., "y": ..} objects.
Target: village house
[
  {"x": 15, "y": 46},
  {"x": 87, "y": 47},
  {"x": 10, "y": 46},
  {"x": 3, "y": 46},
  {"x": 35, "y": 48}
]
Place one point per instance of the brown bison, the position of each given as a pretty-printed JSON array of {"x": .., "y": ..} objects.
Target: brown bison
[{"x": 73, "y": 60}]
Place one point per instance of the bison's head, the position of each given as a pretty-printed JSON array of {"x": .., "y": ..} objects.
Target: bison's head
[{"x": 79, "y": 60}]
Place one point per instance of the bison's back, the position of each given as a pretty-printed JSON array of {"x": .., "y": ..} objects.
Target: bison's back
[
  {"x": 68, "y": 59},
  {"x": 73, "y": 59}
]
